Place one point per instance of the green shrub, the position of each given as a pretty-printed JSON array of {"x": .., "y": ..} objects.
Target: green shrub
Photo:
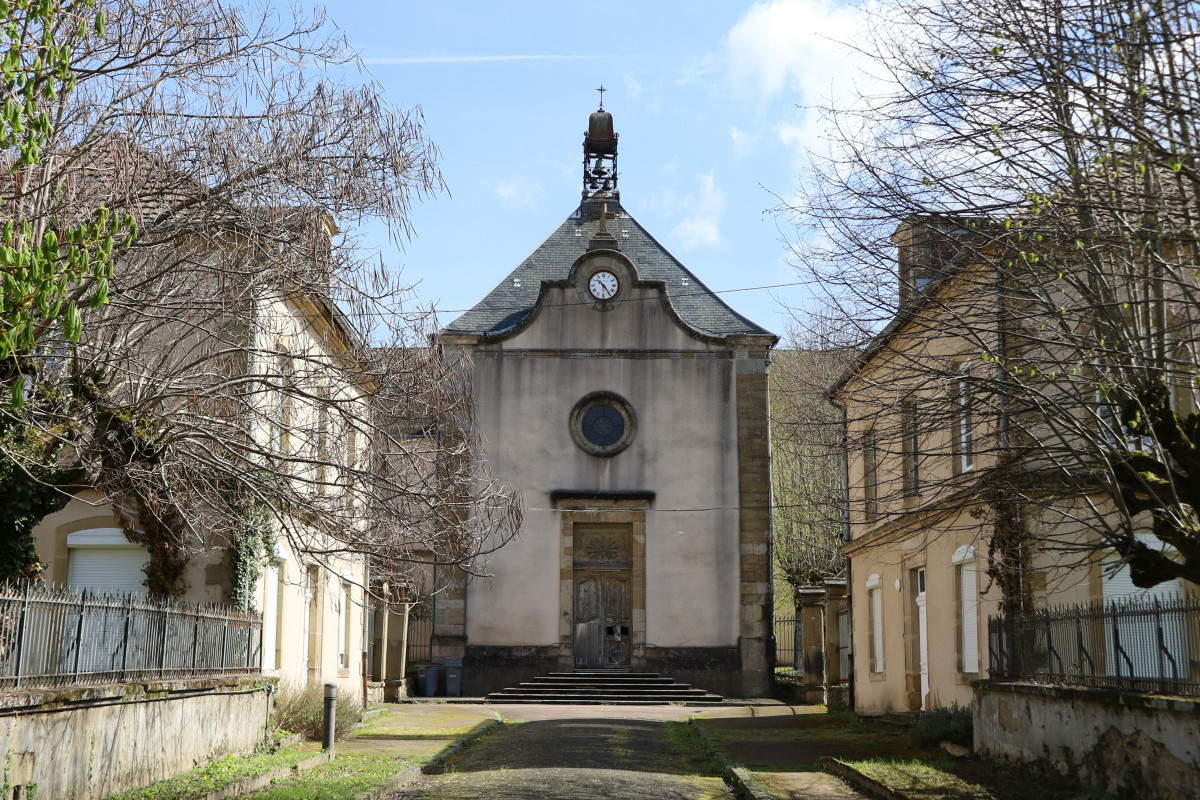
[
  {"x": 303, "y": 711},
  {"x": 953, "y": 724}
]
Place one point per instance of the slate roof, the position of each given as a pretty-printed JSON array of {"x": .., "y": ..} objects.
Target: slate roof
[{"x": 512, "y": 301}]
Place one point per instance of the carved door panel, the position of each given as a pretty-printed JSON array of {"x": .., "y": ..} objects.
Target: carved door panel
[
  {"x": 602, "y": 619},
  {"x": 603, "y": 595}
]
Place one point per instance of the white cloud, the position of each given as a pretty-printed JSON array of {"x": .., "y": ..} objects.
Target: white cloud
[
  {"x": 633, "y": 87},
  {"x": 797, "y": 52},
  {"x": 743, "y": 142},
  {"x": 702, "y": 226},
  {"x": 792, "y": 44},
  {"x": 515, "y": 192},
  {"x": 477, "y": 59}
]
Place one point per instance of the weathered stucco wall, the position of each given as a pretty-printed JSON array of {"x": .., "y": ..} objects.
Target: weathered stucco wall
[
  {"x": 685, "y": 451},
  {"x": 1136, "y": 745},
  {"x": 82, "y": 743}
]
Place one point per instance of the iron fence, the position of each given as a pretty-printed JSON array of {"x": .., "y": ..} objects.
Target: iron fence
[
  {"x": 785, "y": 642},
  {"x": 420, "y": 636},
  {"x": 1150, "y": 645},
  {"x": 57, "y": 637}
]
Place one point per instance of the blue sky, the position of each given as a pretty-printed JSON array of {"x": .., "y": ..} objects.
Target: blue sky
[{"x": 705, "y": 97}]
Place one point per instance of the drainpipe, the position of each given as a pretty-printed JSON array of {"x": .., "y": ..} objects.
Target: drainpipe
[{"x": 366, "y": 642}]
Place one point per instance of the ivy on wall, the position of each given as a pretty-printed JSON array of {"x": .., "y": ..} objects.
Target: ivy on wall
[
  {"x": 29, "y": 491},
  {"x": 249, "y": 551}
]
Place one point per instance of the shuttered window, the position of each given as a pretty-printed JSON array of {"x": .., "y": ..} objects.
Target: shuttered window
[
  {"x": 876, "y": 630},
  {"x": 102, "y": 558},
  {"x": 343, "y": 627},
  {"x": 968, "y": 607},
  {"x": 270, "y": 633}
]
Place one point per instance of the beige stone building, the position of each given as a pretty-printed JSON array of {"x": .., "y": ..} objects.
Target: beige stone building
[
  {"x": 312, "y": 608},
  {"x": 923, "y": 423},
  {"x": 627, "y": 404}
]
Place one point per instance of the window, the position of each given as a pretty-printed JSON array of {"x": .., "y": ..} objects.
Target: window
[
  {"x": 964, "y": 424},
  {"x": 322, "y": 446},
  {"x": 870, "y": 476},
  {"x": 281, "y": 438},
  {"x": 270, "y": 617},
  {"x": 344, "y": 627},
  {"x": 875, "y": 609},
  {"x": 968, "y": 609},
  {"x": 910, "y": 448}
]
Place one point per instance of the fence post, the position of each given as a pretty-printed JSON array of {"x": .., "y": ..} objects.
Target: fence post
[
  {"x": 21, "y": 625},
  {"x": 125, "y": 639},
  {"x": 165, "y": 611},
  {"x": 224, "y": 642},
  {"x": 195, "y": 641},
  {"x": 79, "y": 633},
  {"x": 249, "y": 641}
]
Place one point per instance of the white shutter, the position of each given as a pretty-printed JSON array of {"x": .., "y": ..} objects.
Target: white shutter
[
  {"x": 1138, "y": 635},
  {"x": 877, "y": 628},
  {"x": 270, "y": 630},
  {"x": 969, "y": 610},
  {"x": 111, "y": 569},
  {"x": 342, "y": 625}
]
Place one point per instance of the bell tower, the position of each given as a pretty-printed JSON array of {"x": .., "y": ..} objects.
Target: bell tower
[{"x": 600, "y": 156}]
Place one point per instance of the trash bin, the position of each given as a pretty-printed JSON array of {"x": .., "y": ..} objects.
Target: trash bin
[
  {"x": 427, "y": 679},
  {"x": 453, "y": 678}
]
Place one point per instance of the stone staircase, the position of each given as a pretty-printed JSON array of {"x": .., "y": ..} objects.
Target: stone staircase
[{"x": 604, "y": 687}]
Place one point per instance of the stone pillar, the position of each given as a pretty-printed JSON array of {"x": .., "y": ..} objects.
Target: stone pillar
[
  {"x": 450, "y": 619},
  {"x": 810, "y": 621},
  {"x": 835, "y": 594},
  {"x": 756, "y": 613}
]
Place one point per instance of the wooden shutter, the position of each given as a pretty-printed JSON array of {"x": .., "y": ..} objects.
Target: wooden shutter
[
  {"x": 969, "y": 615},
  {"x": 877, "y": 628},
  {"x": 270, "y": 616}
]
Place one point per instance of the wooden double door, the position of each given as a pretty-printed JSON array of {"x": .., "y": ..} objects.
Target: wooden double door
[{"x": 603, "y": 607}]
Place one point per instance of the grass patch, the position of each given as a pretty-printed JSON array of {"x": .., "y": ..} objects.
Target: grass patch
[
  {"x": 921, "y": 779},
  {"x": 967, "y": 779},
  {"x": 341, "y": 779},
  {"x": 701, "y": 759},
  {"x": 214, "y": 775}
]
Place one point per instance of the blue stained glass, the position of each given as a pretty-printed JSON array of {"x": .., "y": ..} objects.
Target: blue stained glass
[{"x": 603, "y": 426}]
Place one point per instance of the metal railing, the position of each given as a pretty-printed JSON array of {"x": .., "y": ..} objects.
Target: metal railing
[
  {"x": 785, "y": 642},
  {"x": 420, "y": 636},
  {"x": 1150, "y": 645},
  {"x": 57, "y": 637}
]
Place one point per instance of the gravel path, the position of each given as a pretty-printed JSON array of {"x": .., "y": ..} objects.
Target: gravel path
[{"x": 580, "y": 753}]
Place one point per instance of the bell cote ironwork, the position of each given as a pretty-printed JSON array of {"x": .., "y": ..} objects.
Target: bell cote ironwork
[{"x": 600, "y": 155}]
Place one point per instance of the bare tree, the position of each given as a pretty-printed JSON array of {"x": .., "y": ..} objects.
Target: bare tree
[
  {"x": 247, "y": 372},
  {"x": 1027, "y": 188},
  {"x": 806, "y": 460}
]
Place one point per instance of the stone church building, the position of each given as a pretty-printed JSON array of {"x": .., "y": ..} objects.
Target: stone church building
[{"x": 628, "y": 405}]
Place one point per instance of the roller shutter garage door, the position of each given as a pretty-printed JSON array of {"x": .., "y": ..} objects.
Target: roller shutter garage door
[{"x": 103, "y": 559}]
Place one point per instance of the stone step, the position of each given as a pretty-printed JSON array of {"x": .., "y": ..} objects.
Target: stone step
[
  {"x": 616, "y": 700},
  {"x": 604, "y": 687},
  {"x": 604, "y": 673},
  {"x": 548, "y": 681}
]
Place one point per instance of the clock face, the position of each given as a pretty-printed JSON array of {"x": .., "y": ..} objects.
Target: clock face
[{"x": 604, "y": 285}]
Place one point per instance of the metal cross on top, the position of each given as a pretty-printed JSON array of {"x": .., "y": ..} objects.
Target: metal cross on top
[{"x": 602, "y": 90}]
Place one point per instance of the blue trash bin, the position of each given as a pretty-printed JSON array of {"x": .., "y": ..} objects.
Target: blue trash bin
[
  {"x": 427, "y": 679},
  {"x": 453, "y": 671}
]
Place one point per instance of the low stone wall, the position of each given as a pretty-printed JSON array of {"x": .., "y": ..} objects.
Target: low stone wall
[
  {"x": 1144, "y": 745},
  {"x": 87, "y": 742}
]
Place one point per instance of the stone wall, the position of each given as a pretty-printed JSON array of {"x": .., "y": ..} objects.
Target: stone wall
[
  {"x": 88, "y": 742},
  {"x": 1131, "y": 744},
  {"x": 757, "y": 629}
]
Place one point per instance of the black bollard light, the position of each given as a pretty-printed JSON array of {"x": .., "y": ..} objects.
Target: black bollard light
[{"x": 330, "y": 714}]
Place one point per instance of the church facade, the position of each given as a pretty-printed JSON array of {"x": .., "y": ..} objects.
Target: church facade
[{"x": 628, "y": 405}]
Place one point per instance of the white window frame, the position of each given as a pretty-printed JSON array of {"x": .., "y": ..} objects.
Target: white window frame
[
  {"x": 344, "y": 626},
  {"x": 966, "y": 565},
  {"x": 875, "y": 622},
  {"x": 965, "y": 422}
]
